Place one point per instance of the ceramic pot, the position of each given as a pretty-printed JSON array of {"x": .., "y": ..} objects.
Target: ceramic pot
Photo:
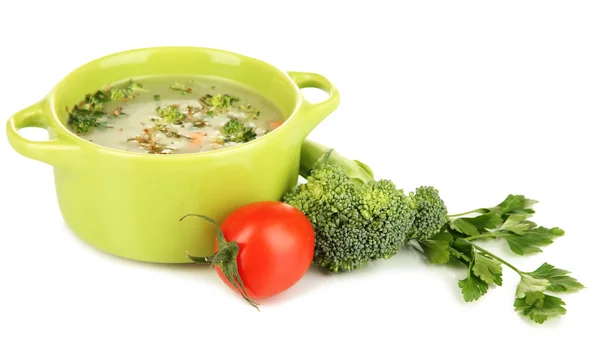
[{"x": 129, "y": 204}]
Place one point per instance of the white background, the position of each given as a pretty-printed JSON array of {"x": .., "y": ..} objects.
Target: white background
[{"x": 479, "y": 98}]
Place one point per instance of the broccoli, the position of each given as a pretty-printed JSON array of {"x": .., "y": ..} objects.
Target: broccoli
[
  {"x": 171, "y": 113},
  {"x": 431, "y": 214},
  {"x": 83, "y": 120},
  {"x": 127, "y": 92},
  {"x": 86, "y": 115},
  {"x": 356, "y": 219},
  {"x": 234, "y": 131},
  {"x": 219, "y": 103},
  {"x": 223, "y": 101}
]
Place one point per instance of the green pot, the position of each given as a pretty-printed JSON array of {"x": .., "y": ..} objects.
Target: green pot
[{"x": 129, "y": 204}]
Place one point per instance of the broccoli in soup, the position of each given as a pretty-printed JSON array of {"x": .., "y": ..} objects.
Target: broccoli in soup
[{"x": 173, "y": 115}]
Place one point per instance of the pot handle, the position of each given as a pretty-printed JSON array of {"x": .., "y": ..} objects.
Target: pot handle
[
  {"x": 315, "y": 113},
  {"x": 52, "y": 151}
]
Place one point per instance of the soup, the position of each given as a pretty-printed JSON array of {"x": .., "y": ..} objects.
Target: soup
[{"x": 173, "y": 115}]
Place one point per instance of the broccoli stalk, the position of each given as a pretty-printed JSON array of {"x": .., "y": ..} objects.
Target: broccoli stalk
[{"x": 314, "y": 153}]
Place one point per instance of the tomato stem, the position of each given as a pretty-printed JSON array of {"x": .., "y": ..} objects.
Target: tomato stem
[
  {"x": 225, "y": 258},
  {"x": 201, "y": 260}
]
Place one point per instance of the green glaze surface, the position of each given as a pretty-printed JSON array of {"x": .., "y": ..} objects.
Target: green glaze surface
[{"x": 129, "y": 204}]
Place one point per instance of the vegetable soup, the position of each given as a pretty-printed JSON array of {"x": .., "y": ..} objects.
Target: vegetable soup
[{"x": 173, "y": 115}]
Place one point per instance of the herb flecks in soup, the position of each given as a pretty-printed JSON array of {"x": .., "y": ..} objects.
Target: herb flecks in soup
[
  {"x": 181, "y": 88},
  {"x": 88, "y": 114},
  {"x": 171, "y": 115}
]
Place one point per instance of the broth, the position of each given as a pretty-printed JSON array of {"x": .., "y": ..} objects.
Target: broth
[{"x": 173, "y": 115}]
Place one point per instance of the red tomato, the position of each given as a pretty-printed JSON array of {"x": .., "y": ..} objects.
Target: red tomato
[{"x": 276, "y": 246}]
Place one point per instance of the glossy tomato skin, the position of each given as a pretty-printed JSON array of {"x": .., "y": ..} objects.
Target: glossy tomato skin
[{"x": 276, "y": 246}]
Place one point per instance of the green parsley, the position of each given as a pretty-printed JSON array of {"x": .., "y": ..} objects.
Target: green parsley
[
  {"x": 148, "y": 139},
  {"x": 181, "y": 88},
  {"x": 509, "y": 221},
  {"x": 130, "y": 91}
]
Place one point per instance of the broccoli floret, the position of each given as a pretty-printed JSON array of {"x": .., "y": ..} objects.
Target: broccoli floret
[
  {"x": 232, "y": 127},
  {"x": 222, "y": 101},
  {"x": 171, "y": 113},
  {"x": 127, "y": 92},
  {"x": 82, "y": 120},
  {"x": 356, "y": 219},
  {"x": 86, "y": 115},
  {"x": 234, "y": 131},
  {"x": 431, "y": 213}
]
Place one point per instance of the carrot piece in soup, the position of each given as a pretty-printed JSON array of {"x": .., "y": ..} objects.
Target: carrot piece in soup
[
  {"x": 275, "y": 125},
  {"x": 197, "y": 137}
]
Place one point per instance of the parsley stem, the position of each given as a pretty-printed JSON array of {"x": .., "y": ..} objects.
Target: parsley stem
[
  {"x": 462, "y": 214},
  {"x": 484, "y": 251},
  {"x": 483, "y": 235},
  {"x": 415, "y": 246}
]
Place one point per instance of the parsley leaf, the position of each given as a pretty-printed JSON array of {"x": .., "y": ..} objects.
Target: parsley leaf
[
  {"x": 531, "y": 300},
  {"x": 513, "y": 204},
  {"x": 539, "y": 306},
  {"x": 487, "y": 269},
  {"x": 557, "y": 278},
  {"x": 472, "y": 287},
  {"x": 510, "y": 221},
  {"x": 462, "y": 250},
  {"x": 473, "y": 226},
  {"x": 517, "y": 223},
  {"x": 463, "y": 226},
  {"x": 547, "y": 277},
  {"x": 529, "y": 241},
  {"x": 486, "y": 221},
  {"x": 459, "y": 255},
  {"x": 531, "y": 284},
  {"x": 437, "y": 249}
]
